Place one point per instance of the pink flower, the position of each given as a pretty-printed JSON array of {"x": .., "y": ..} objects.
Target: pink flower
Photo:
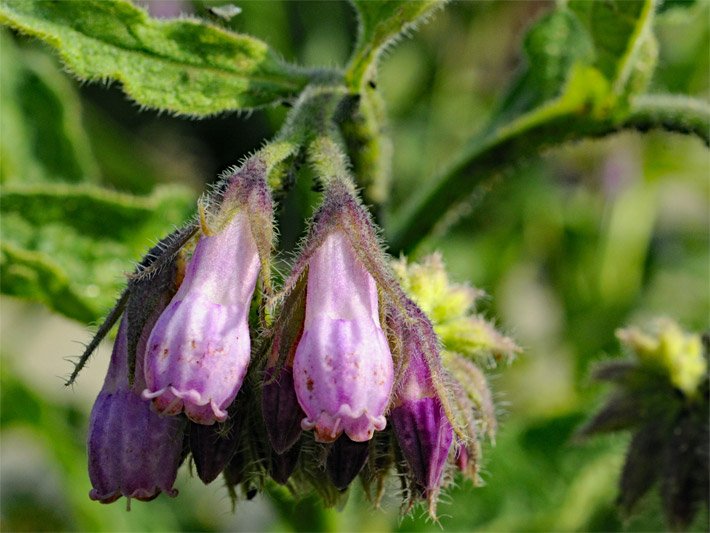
[
  {"x": 199, "y": 350},
  {"x": 343, "y": 369}
]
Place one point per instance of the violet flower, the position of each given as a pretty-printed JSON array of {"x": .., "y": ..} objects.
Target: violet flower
[
  {"x": 343, "y": 369},
  {"x": 133, "y": 452},
  {"x": 420, "y": 424},
  {"x": 199, "y": 350}
]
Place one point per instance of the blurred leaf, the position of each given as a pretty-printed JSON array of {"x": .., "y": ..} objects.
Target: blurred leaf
[
  {"x": 35, "y": 276},
  {"x": 621, "y": 31},
  {"x": 552, "y": 46},
  {"x": 68, "y": 247},
  {"x": 381, "y": 23},
  {"x": 671, "y": 4},
  {"x": 577, "y": 113},
  {"x": 594, "y": 101},
  {"x": 41, "y": 135},
  {"x": 184, "y": 66}
]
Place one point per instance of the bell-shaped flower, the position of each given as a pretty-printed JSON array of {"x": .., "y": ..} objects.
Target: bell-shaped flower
[
  {"x": 199, "y": 350},
  {"x": 343, "y": 369},
  {"x": 133, "y": 452}
]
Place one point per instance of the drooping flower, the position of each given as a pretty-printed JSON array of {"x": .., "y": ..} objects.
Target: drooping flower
[
  {"x": 282, "y": 465},
  {"x": 279, "y": 404},
  {"x": 199, "y": 350},
  {"x": 133, "y": 452},
  {"x": 282, "y": 413},
  {"x": 423, "y": 431},
  {"x": 343, "y": 369},
  {"x": 466, "y": 342}
]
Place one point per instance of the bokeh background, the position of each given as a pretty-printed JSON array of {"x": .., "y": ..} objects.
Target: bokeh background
[{"x": 569, "y": 245}]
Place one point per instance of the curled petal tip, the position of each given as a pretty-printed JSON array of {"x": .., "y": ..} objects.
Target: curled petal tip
[{"x": 170, "y": 401}]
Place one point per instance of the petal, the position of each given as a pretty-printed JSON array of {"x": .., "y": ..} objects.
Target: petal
[
  {"x": 197, "y": 356},
  {"x": 133, "y": 452},
  {"x": 343, "y": 375}
]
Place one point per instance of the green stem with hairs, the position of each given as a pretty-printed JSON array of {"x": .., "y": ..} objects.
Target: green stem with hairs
[{"x": 550, "y": 125}]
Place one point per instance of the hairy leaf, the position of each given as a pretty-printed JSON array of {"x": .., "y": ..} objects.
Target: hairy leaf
[
  {"x": 597, "y": 98},
  {"x": 69, "y": 247},
  {"x": 184, "y": 66},
  {"x": 41, "y": 135},
  {"x": 381, "y": 23}
]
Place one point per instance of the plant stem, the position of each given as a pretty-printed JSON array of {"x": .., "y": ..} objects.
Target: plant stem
[
  {"x": 679, "y": 114},
  {"x": 487, "y": 155}
]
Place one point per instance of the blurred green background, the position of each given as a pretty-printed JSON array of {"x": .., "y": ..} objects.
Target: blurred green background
[{"x": 570, "y": 245}]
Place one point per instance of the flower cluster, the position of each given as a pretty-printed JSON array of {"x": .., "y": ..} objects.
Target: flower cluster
[{"x": 357, "y": 366}]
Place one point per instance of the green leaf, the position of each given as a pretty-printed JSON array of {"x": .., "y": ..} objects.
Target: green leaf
[
  {"x": 576, "y": 113},
  {"x": 41, "y": 134},
  {"x": 185, "y": 66},
  {"x": 381, "y": 22},
  {"x": 578, "y": 93},
  {"x": 69, "y": 247},
  {"x": 621, "y": 31},
  {"x": 552, "y": 46}
]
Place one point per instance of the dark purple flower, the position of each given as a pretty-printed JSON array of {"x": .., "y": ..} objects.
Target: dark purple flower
[
  {"x": 279, "y": 405},
  {"x": 345, "y": 461},
  {"x": 212, "y": 447},
  {"x": 133, "y": 452},
  {"x": 282, "y": 465},
  {"x": 422, "y": 429}
]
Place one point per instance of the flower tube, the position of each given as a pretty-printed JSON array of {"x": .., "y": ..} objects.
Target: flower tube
[
  {"x": 343, "y": 369},
  {"x": 420, "y": 424},
  {"x": 133, "y": 452},
  {"x": 199, "y": 350}
]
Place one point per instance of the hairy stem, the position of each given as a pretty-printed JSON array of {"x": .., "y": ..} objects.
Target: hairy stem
[
  {"x": 680, "y": 114},
  {"x": 491, "y": 153}
]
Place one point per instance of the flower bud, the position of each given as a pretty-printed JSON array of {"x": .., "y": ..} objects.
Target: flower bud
[
  {"x": 199, "y": 350},
  {"x": 279, "y": 404},
  {"x": 282, "y": 465},
  {"x": 133, "y": 452},
  {"x": 282, "y": 413},
  {"x": 420, "y": 424},
  {"x": 343, "y": 369}
]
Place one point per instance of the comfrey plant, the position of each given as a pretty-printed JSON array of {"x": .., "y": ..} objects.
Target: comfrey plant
[
  {"x": 344, "y": 363},
  {"x": 347, "y": 369}
]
